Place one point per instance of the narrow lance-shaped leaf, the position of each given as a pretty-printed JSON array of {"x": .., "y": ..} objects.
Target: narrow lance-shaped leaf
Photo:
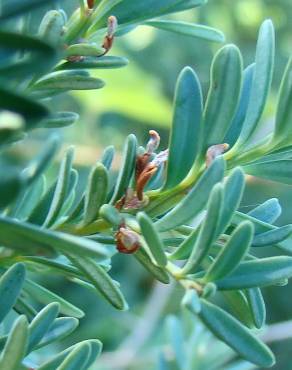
[
  {"x": 52, "y": 27},
  {"x": 18, "y": 235},
  {"x": 54, "y": 362},
  {"x": 101, "y": 280},
  {"x": 15, "y": 346},
  {"x": 269, "y": 211},
  {"x": 159, "y": 273},
  {"x": 43, "y": 160},
  {"x": 261, "y": 81},
  {"x": 106, "y": 62},
  {"x": 96, "y": 193},
  {"x": 185, "y": 127},
  {"x": 60, "y": 119},
  {"x": 257, "y": 306},
  {"x": 186, "y": 247},
  {"x": 46, "y": 296},
  {"x": 280, "y": 171},
  {"x": 41, "y": 324},
  {"x": 232, "y": 332},
  {"x": 76, "y": 358},
  {"x": 223, "y": 96},
  {"x": 152, "y": 239},
  {"x": 131, "y": 11},
  {"x": 11, "y": 283},
  {"x": 196, "y": 199},
  {"x": 207, "y": 234},
  {"x": 233, "y": 191},
  {"x": 61, "y": 188},
  {"x": 127, "y": 168},
  {"x": 272, "y": 237},
  {"x": 66, "y": 80},
  {"x": 238, "y": 306},
  {"x": 108, "y": 156},
  {"x": 60, "y": 329},
  {"x": 257, "y": 273},
  {"x": 283, "y": 130},
  {"x": 232, "y": 253},
  {"x": 237, "y": 121},
  {"x": 189, "y": 29}
]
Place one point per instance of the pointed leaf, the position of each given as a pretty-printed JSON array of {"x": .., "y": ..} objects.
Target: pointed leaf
[
  {"x": 159, "y": 273},
  {"x": 76, "y": 358},
  {"x": 15, "y": 346},
  {"x": 233, "y": 333},
  {"x": 189, "y": 29},
  {"x": 280, "y": 171},
  {"x": 11, "y": 283},
  {"x": 96, "y": 193},
  {"x": 185, "y": 127},
  {"x": 257, "y": 306},
  {"x": 195, "y": 200},
  {"x": 60, "y": 119},
  {"x": 232, "y": 253},
  {"x": 223, "y": 96},
  {"x": 261, "y": 81},
  {"x": 127, "y": 168},
  {"x": 237, "y": 122},
  {"x": 272, "y": 237},
  {"x": 257, "y": 273},
  {"x": 45, "y": 296},
  {"x": 106, "y": 62},
  {"x": 283, "y": 131},
  {"x": 61, "y": 188},
  {"x": 269, "y": 211},
  {"x": 41, "y": 324},
  {"x": 208, "y": 231},
  {"x": 101, "y": 280},
  {"x": 152, "y": 239}
]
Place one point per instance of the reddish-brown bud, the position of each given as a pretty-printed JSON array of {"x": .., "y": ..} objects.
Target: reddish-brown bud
[
  {"x": 214, "y": 151},
  {"x": 90, "y": 4},
  {"x": 128, "y": 241}
]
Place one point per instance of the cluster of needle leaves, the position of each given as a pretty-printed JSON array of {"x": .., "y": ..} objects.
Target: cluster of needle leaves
[{"x": 175, "y": 211}]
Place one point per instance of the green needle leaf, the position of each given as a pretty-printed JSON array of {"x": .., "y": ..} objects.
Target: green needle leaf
[
  {"x": 269, "y": 211},
  {"x": 45, "y": 296},
  {"x": 232, "y": 332},
  {"x": 41, "y": 324},
  {"x": 261, "y": 81},
  {"x": 101, "y": 280},
  {"x": 283, "y": 131},
  {"x": 152, "y": 239},
  {"x": 257, "y": 306},
  {"x": 106, "y": 62},
  {"x": 208, "y": 231},
  {"x": 272, "y": 237},
  {"x": 223, "y": 96},
  {"x": 189, "y": 29},
  {"x": 185, "y": 127},
  {"x": 232, "y": 253},
  {"x": 11, "y": 283},
  {"x": 61, "y": 188},
  {"x": 159, "y": 273},
  {"x": 196, "y": 199},
  {"x": 96, "y": 193},
  {"x": 15, "y": 346},
  {"x": 76, "y": 358},
  {"x": 257, "y": 273},
  {"x": 278, "y": 170},
  {"x": 127, "y": 168}
]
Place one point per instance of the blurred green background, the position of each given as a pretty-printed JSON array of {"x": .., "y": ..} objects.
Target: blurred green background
[{"x": 138, "y": 98}]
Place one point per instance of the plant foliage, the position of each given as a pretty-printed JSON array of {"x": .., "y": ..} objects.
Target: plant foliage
[{"x": 149, "y": 211}]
